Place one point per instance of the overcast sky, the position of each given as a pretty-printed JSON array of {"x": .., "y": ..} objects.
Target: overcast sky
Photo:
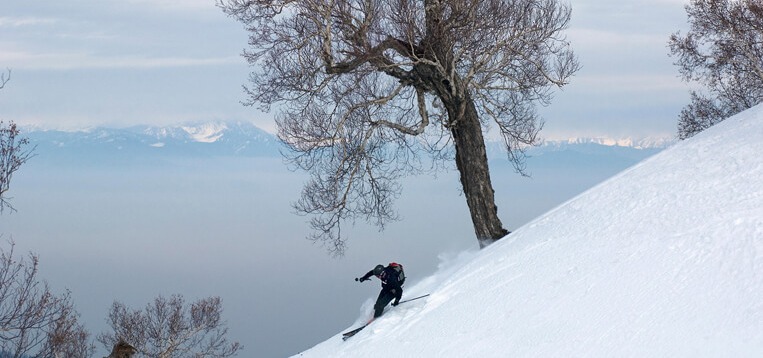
[{"x": 79, "y": 63}]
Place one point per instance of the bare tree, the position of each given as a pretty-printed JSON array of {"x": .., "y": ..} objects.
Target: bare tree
[
  {"x": 68, "y": 338},
  {"x": 723, "y": 52},
  {"x": 168, "y": 328},
  {"x": 34, "y": 322},
  {"x": 14, "y": 151},
  {"x": 4, "y": 78},
  {"x": 363, "y": 86}
]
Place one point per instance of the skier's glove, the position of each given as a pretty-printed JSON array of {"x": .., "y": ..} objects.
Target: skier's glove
[
  {"x": 397, "y": 302},
  {"x": 361, "y": 279}
]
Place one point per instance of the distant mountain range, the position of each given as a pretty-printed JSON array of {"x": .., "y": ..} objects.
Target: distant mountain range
[
  {"x": 205, "y": 139},
  {"x": 640, "y": 143},
  {"x": 243, "y": 139}
]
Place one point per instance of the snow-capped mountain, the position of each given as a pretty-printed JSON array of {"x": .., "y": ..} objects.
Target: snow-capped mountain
[
  {"x": 627, "y": 150},
  {"x": 661, "y": 260},
  {"x": 211, "y": 138},
  {"x": 637, "y": 143}
]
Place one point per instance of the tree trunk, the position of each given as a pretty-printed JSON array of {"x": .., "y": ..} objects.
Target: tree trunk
[{"x": 471, "y": 161}]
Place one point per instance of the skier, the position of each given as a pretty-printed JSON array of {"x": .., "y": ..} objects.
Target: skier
[{"x": 392, "y": 279}]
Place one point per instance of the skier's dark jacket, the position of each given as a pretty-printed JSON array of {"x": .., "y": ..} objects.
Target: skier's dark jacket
[{"x": 389, "y": 279}]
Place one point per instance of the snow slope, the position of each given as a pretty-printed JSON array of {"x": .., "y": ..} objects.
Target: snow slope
[{"x": 663, "y": 260}]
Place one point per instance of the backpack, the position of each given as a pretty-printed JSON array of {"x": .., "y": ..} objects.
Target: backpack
[{"x": 399, "y": 270}]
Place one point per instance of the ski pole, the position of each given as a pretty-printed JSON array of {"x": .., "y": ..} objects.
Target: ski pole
[{"x": 415, "y": 298}]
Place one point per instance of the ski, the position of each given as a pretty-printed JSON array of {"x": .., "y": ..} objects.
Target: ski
[{"x": 347, "y": 335}]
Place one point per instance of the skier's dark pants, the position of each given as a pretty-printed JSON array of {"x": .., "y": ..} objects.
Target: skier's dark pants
[{"x": 385, "y": 297}]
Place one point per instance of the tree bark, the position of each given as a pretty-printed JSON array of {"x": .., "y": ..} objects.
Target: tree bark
[{"x": 471, "y": 161}]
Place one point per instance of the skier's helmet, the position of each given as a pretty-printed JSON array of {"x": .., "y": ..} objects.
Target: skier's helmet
[{"x": 378, "y": 270}]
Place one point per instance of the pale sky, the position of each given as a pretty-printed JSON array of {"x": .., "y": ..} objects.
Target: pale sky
[{"x": 81, "y": 63}]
